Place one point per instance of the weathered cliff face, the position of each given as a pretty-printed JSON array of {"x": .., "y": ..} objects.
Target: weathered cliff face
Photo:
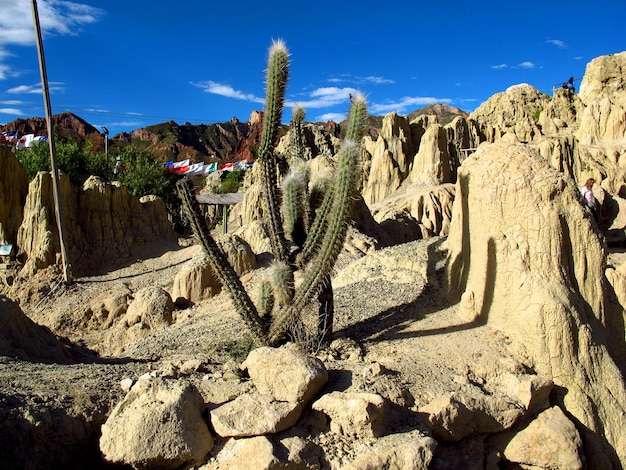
[
  {"x": 526, "y": 259},
  {"x": 13, "y": 190},
  {"x": 513, "y": 111},
  {"x": 228, "y": 141},
  {"x": 603, "y": 92},
  {"x": 318, "y": 141},
  {"x": 103, "y": 223},
  {"x": 38, "y": 236}
]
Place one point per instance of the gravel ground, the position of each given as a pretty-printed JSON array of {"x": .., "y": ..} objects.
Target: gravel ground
[{"x": 389, "y": 311}]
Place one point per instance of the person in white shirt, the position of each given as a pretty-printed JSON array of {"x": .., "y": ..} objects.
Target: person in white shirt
[{"x": 587, "y": 194}]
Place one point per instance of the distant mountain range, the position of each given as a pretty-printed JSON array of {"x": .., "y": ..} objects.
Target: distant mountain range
[{"x": 225, "y": 142}]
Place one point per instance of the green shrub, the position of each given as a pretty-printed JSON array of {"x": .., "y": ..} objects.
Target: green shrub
[
  {"x": 76, "y": 162},
  {"x": 232, "y": 181},
  {"x": 143, "y": 174}
]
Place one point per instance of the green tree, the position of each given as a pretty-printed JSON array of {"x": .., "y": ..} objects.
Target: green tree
[
  {"x": 143, "y": 174},
  {"x": 231, "y": 181},
  {"x": 76, "y": 162}
]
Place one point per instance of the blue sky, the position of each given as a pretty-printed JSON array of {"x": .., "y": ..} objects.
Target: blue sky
[{"x": 127, "y": 64}]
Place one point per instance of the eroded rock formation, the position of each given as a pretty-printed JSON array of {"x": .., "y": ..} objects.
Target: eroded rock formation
[
  {"x": 103, "y": 223},
  {"x": 13, "y": 190},
  {"x": 527, "y": 259}
]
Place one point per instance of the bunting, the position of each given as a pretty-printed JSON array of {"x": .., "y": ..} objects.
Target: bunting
[{"x": 210, "y": 168}]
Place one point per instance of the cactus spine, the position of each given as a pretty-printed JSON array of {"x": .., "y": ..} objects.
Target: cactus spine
[{"x": 316, "y": 234}]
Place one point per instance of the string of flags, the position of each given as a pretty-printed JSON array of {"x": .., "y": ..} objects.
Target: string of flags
[
  {"x": 25, "y": 141},
  {"x": 184, "y": 167}
]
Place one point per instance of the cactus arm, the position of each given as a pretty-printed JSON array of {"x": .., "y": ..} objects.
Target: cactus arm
[
  {"x": 358, "y": 118},
  {"x": 317, "y": 231},
  {"x": 356, "y": 126},
  {"x": 266, "y": 298},
  {"x": 344, "y": 183},
  {"x": 220, "y": 265},
  {"x": 292, "y": 192},
  {"x": 296, "y": 209},
  {"x": 297, "y": 144},
  {"x": 277, "y": 72}
]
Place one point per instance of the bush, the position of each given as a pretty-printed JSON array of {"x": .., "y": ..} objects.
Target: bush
[
  {"x": 77, "y": 163},
  {"x": 232, "y": 181},
  {"x": 143, "y": 174}
]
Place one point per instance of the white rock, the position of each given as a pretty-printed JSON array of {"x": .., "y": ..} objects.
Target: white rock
[{"x": 158, "y": 424}]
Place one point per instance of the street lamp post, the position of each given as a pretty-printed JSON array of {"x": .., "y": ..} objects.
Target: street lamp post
[{"x": 106, "y": 144}]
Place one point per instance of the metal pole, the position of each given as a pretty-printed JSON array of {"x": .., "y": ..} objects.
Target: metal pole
[{"x": 53, "y": 163}]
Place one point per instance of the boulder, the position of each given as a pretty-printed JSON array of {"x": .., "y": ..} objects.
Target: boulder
[
  {"x": 408, "y": 451},
  {"x": 158, "y": 424},
  {"x": 461, "y": 414},
  {"x": 239, "y": 254},
  {"x": 197, "y": 281},
  {"x": 526, "y": 259},
  {"x": 430, "y": 207},
  {"x": 253, "y": 414},
  {"x": 353, "y": 414},
  {"x": 252, "y": 453},
  {"x": 151, "y": 309},
  {"x": 549, "y": 441},
  {"x": 286, "y": 373},
  {"x": 255, "y": 235},
  {"x": 107, "y": 308},
  {"x": 532, "y": 392}
]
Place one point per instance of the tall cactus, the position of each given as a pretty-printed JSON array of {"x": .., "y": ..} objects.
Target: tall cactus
[{"x": 306, "y": 235}]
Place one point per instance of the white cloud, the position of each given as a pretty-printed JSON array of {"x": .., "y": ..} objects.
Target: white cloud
[
  {"x": 347, "y": 78},
  {"x": 337, "y": 117},
  {"x": 11, "y": 102},
  {"x": 499, "y": 66},
  {"x": 12, "y": 111},
  {"x": 378, "y": 80},
  {"x": 406, "y": 104},
  {"x": 326, "y": 97},
  {"x": 33, "y": 89},
  {"x": 5, "y": 70},
  {"x": 556, "y": 42},
  {"x": 25, "y": 89},
  {"x": 95, "y": 110},
  {"x": 55, "y": 16},
  {"x": 215, "y": 88},
  {"x": 526, "y": 65}
]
